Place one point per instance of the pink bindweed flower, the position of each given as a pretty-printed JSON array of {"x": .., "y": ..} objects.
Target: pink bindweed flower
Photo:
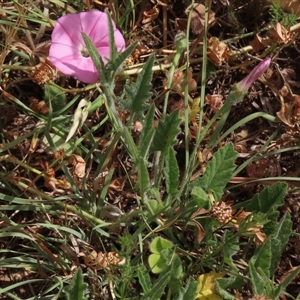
[
  {"x": 68, "y": 52},
  {"x": 258, "y": 71}
]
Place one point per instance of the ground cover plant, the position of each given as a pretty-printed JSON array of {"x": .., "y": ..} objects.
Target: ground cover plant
[{"x": 149, "y": 149}]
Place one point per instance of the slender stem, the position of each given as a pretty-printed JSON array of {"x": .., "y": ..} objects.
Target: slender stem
[
  {"x": 109, "y": 100},
  {"x": 246, "y": 120}
]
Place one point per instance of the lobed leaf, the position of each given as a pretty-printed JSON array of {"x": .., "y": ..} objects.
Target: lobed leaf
[
  {"x": 165, "y": 133},
  {"x": 77, "y": 288},
  {"x": 268, "y": 199},
  {"x": 138, "y": 93},
  {"x": 219, "y": 171}
]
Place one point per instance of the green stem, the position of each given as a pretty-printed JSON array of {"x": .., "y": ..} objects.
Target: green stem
[
  {"x": 244, "y": 121},
  {"x": 180, "y": 43},
  {"x": 109, "y": 99}
]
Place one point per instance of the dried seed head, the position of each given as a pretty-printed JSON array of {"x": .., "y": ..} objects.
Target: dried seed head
[
  {"x": 44, "y": 72},
  {"x": 222, "y": 212}
]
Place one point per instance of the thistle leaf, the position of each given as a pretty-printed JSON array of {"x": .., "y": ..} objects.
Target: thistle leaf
[
  {"x": 165, "y": 134},
  {"x": 171, "y": 172},
  {"x": 137, "y": 93},
  {"x": 77, "y": 288},
  {"x": 147, "y": 134}
]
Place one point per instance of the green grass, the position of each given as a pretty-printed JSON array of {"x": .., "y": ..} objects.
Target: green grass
[{"x": 114, "y": 192}]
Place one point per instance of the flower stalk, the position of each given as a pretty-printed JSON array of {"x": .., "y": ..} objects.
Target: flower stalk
[{"x": 236, "y": 95}]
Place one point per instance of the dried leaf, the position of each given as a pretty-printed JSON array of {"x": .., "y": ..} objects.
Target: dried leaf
[
  {"x": 38, "y": 106},
  {"x": 198, "y": 17},
  {"x": 260, "y": 237},
  {"x": 78, "y": 165},
  {"x": 150, "y": 15},
  {"x": 280, "y": 34},
  {"x": 214, "y": 101},
  {"x": 259, "y": 43},
  {"x": 180, "y": 24},
  {"x": 218, "y": 51},
  {"x": 101, "y": 260},
  {"x": 80, "y": 115},
  {"x": 44, "y": 72},
  {"x": 290, "y": 113}
]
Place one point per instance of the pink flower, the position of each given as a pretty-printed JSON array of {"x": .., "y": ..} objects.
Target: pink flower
[
  {"x": 258, "y": 71},
  {"x": 68, "y": 52}
]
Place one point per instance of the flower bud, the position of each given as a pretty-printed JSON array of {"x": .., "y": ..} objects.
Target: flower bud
[{"x": 258, "y": 71}]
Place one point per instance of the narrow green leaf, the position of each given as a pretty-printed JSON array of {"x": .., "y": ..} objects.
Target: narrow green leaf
[
  {"x": 189, "y": 291},
  {"x": 147, "y": 134},
  {"x": 144, "y": 181},
  {"x": 219, "y": 171},
  {"x": 220, "y": 282},
  {"x": 97, "y": 60},
  {"x": 262, "y": 257},
  {"x": 257, "y": 283},
  {"x": 279, "y": 240},
  {"x": 171, "y": 172},
  {"x": 77, "y": 288},
  {"x": 25, "y": 283},
  {"x": 112, "y": 44},
  {"x": 268, "y": 199},
  {"x": 165, "y": 134},
  {"x": 114, "y": 65},
  {"x": 108, "y": 72},
  {"x": 159, "y": 286},
  {"x": 231, "y": 247},
  {"x": 138, "y": 93},
  {"x": 144, "y": 278}
]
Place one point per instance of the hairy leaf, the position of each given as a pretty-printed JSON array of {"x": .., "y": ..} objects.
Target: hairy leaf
[
  {"x": 262, "y": 257},
  {"x": 159, "y": 285},
  {"x": 268, "y": 199},
  {"x": 219, "y": 171},
  {"x": 189, "y": 291},
  {"x": 165, "y": 133},
  {"x": 258, "y": 285},
  {"x": 279, "y": 240},
  {"x": 97, "y": 60},
  {"x": 138, "y": 93},
  {"x": 171, "y": 172},
  {"x": 77, "y": 288},
  {"x": 147, "y": 134},
  {"x": 144, "y": 181},
  {"x": 144, "y": 278}
]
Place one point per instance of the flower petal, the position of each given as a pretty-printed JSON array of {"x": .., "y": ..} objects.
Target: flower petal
[
  {"x": 84, "y": 70},
  {"x": 67, "y": 43},
  {"x": 68, "y": 30}
]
